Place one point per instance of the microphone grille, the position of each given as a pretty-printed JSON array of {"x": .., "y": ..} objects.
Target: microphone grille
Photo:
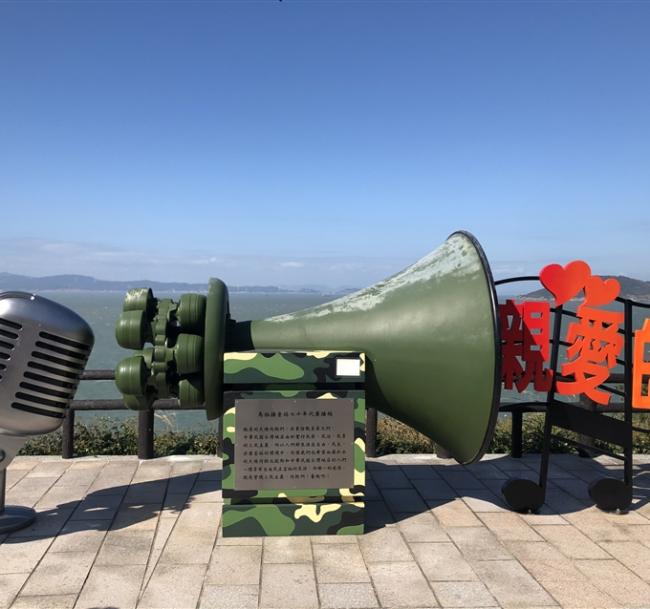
[{"x": 44, "y": 348}]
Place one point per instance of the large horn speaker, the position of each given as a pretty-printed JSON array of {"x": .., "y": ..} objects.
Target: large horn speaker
[{"x": 430, "y": 334}]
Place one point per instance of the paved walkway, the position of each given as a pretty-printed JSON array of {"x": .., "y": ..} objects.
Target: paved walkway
[{"x": 116, "y": 532}]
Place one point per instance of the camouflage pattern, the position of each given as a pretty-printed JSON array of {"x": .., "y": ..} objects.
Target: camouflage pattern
[
  {"x": 259, "y": 520},
  {"x": 309, "y": 511},
  {"x": 268, "y": 368}
]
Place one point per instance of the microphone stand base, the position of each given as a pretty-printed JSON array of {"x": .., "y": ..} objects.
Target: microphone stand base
[{"x": 15, "y": 517}]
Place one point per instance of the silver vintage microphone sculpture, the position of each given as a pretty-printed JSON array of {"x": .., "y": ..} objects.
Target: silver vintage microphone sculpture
[{"x": 44, "y": 348}]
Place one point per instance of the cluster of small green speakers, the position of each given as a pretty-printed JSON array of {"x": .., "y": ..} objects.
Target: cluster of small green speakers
[{"x": 173, "y": 365}]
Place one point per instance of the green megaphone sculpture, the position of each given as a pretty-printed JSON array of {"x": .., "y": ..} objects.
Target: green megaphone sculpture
[{"x": 430, "y": 334}]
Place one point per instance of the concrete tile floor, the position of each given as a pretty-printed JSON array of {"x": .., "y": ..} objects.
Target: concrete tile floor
[{"x": 115, "y": 532}]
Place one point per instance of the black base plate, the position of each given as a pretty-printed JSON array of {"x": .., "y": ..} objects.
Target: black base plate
[
  {"x": 16, "y": 517},
  {"x": 523, "y": 495},
  {"x": 610, "y": 494}
]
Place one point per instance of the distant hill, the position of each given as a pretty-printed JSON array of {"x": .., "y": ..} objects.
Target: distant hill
[
  {"x": 9, "y": 281},
  {"x": 630, "y": 288}
]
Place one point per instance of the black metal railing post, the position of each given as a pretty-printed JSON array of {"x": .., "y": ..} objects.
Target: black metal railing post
[
  {"x": 517, "y": 434},
  {"x": 67, "y": 435},
  {"x": 145, "y": 433}
]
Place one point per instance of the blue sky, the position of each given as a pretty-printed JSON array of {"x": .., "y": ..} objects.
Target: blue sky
[{"x": 321, "y": 142}]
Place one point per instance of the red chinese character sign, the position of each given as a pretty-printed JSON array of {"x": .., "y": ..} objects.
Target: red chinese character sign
[
  {"x": 594, "y": 340},
  {"x": 641, "y": 367},
  {"x": 525, "y": 348}
]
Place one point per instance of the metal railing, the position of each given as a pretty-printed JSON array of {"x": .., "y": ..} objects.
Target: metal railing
[{"x": 517, "y": 410}]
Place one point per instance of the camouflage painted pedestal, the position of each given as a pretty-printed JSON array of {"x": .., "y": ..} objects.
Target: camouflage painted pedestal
[{"x": 277, "y": 457}]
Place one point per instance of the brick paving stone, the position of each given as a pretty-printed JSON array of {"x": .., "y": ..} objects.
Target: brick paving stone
[
  {"x": 390, "y": 477},
  {"x": 510, "y": 465},
  {"x": 101, "y": 507},
  {"x": 132, "y": 517},
  {"x": 634, "y": 555},
  {"x": 161, "y": 534},
  {"x": 125, "y": 547},
  {"x": 454, "y": 513},
  {"x": 631, "y": 518},
  {"x": 484, "y": 501},
  {"x": 229, "y": 597},
  {"x": 595, "y": 526},
  {"x": 377, "y": 515},
  {"x": 235, "y": 565},
  {"x": 111, "y": 586},
  {"x": 484, "y": 470},
  {"x": 571, "y": 542},
  {"x": 420, "y": 527},
  {"x": 22, "y": 555},
  {"x": 173, "y": 587},
  {"x": 80, "y": 536},
  {"x": 401, "y": 585},
  {"x": 51, "y": 601},
  {"x": 336, "y": 539},
  {"x": 206, "y": 491},
  {"x": 404, "y": 500},
  {"x": 461, "y": 480},
  {"x": 420, "y": 472},
  {"x": 558, "y": 575},
  {"x": 576, "y": 488},
  {"x": 288, "y": 587},
  {"x": 150, "y": 491},
  {"x": 287, "y": 549},
  {"x": 511, "y": 584},
  {"x": 339, "y": 564},
  {"x": 509, "y": 526},
  {"x": 347, "y": 596},
  {"x": 49, "y": 468},
  {"x": 434, "y": 489},
  {"x": 477, "y": 543},
  {"x": 372, "y": 492},
  {"x": 563, "y": 503},
  {"x": 581, "y": 556},
  {"x": 10, "y": 585},
  {"x": 113, "y": 479},
  {"x": 384, "y": 545},
  {"x": 637, "y": 532},
  {"x": 238, "y": 541},
  {"x": 463, "y": 594},
  {"x": 545, "y": 515},
  {"x": 64, "y": 496},
  {"x": 442, "y": 562},
  {"x": 192, "y": 539},
  {"x": 60, "y": 574},
  {"x": 617, "y": 581}
]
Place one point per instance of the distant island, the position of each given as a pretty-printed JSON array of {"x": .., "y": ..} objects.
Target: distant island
[
  {"x": 634, "y": 289},
  {"x": 10, "y": 281}
]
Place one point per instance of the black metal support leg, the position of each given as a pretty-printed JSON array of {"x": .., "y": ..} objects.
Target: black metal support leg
[{"x": 12, "y": 517}]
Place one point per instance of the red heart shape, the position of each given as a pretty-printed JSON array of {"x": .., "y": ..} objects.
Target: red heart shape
[
  {"x": 565, "y": 282},
  {"x": 600, "y": 292}
]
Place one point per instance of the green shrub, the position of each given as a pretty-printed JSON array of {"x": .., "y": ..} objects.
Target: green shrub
[{"x": 105, "y": 436}]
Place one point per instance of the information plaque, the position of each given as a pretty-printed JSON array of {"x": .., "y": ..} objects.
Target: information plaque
[{"x": 294, "y": 444}]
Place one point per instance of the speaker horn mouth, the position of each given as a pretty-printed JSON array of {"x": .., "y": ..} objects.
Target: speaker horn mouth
[{"x": 494, "y": 301}]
